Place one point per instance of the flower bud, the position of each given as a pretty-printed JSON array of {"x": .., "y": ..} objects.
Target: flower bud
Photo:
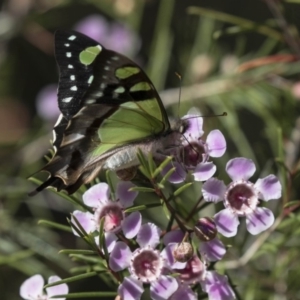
[
  {"x": 127, "y": 174},
  {"x": 205, "y": 229},
  {"x": 183, "y": 252}
]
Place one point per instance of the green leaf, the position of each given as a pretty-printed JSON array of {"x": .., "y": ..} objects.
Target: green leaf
[
  {"x": 87, "y": 295},
  {"x": 71, "y": 279},
  {"x": 109, "y": 182},
  {"x": 151, "y": 164},
  {"x": 167, "y": 175},
  {"x": 182, "y": 188},
  {"x": 15, "y": 257},
  {"x": 144, "y": 164},
  {"x": 142, "y": 207},
  {"x": 102, "y": 243},
  {"x": 77, "y": 227},
  {"x": 88, "y": 259},
  {"x": 292, "y": 203},
  {"x": 54, "y": 225},
  {"x": 78, "y": 251},
  {"x": 142, "y": 189},
  {"x": 162, "y": 166}
]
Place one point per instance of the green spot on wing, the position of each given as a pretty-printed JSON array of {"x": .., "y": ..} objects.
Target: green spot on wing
[
  {"x": 88, "y": 55},
  {"x": 125, "y": 72},
  {"x": 141, "y": 86},
  {"x": 120, "y": 90}
]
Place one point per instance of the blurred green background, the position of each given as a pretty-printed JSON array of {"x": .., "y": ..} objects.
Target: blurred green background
[{"x": 234, "y": 56}]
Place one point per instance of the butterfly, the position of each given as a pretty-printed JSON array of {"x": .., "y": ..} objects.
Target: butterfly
[{"x": 109, "y": 110}]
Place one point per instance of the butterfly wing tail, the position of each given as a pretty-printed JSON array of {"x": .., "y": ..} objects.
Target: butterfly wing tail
[
  {"x": 71, "y": 183},
  {"x": 54, "y": 182}
]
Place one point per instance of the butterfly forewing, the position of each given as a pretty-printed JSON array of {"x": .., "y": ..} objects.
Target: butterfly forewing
[{"x": 75, "y": 77}]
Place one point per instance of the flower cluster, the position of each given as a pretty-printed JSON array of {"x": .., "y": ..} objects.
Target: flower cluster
[{"x": 170, "y": 262}]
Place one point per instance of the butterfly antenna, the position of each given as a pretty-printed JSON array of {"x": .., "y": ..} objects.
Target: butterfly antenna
[{"x": 178, "y": 108}]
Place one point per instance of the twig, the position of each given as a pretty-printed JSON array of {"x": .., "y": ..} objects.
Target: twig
[{"x": 282, "y": 23}]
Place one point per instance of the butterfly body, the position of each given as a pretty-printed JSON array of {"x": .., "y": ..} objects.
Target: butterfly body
[{"x": 110, "y": 109}]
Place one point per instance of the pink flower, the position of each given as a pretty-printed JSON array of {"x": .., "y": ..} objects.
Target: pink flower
[
  {"x": 241, "y": 198},
  {"x": 32, "y": 288},
  {"x": 113, "y": 212}
]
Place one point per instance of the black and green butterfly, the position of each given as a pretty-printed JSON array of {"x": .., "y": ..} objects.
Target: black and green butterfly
[{"x": 109, "y": 109}]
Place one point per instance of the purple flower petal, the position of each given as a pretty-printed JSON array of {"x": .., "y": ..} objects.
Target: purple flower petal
[
  {"x": 184, "y": 292},
  {"x": 213, "y": 190},
  {"x": 130, "y": 289},
  {"x": 217, "y": 287},
  {"x": 268, "y": 187},
  {"x": 204, "y": 171},
  {"x": 168, "y": 256},
  {"x": 32, "y": 287},
  {"x": 174, "y": 236},
  {"x": 149, "y": 234},
  {"x": 85, "y": 219},
  {"x": 226, "y": 222},
  {"x": 97, "y": 195},
  {"x": 61, "y": 289},
  {"x": 178, "y": 175},
  {"x": 240, "y": 168},
  {"x": 195, "y": 129},
  {"x": 132, "y": 224},
  {"x": 125, "y": 196},
  {"x": 212, "y": 250},
  {"x": 216, "y": 143},
  {"x": 119, "y": 258},
  {"x": 46, "y": 103},
  {"x": 110, "y": 241},
  {"x": 93, "y": 26},
  {"x": 163, "y": 288},
  {"x": 122, "y": 39},
  {"x": 261, "y": 219}
]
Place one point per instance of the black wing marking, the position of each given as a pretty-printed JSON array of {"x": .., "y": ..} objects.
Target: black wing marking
[{"x": 74, "y": 77}]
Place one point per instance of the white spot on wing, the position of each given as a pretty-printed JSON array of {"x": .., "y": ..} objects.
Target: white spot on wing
[
  {"x": 98, "y": 94},
  {"x": 73, "y": 137},
  {"x": 70, "y": 67},
  {"x": 72, "y": 38},
  {"x": 90, "y": 80},
  {"x": 73, "y": 88},
  {"x": 90, "y": 101},
  {"x": 72, "y": 77},
  {"x": 107, "y": 68},
  {"x": 53, "y": 136},
  {"x": 67, "y": 100},
  {"x": 69, "y": 54},
  {"x": 67, "y": 45},
  {"x": 59, "y": 119},
  {"x": 119, "y": 90},
  {"x": 115, "y": 58},
  {"x": 102, "y": 85}
]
